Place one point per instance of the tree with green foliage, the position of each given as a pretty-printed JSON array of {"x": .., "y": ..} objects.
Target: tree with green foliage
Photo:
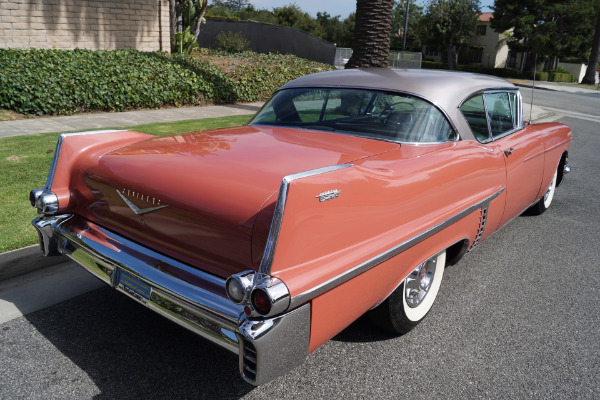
[
  {"x": 325, "y": 26},
  {"x": 234, "y": 5},
  {"x": 260, "y": 15},
  {"x": 551, "y": 29},
  {"x": 450, "y": 25},
  {"x": 335, "y": 30},
  {"x": 220, "y": 9},
  {"x": 372, "y": 34},
  {"x": 293, "y": 17},
  {"x": 415, "y": 25}
]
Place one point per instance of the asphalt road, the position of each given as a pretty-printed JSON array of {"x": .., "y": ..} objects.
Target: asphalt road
[
  {"x": 579, "y": 105},
  {"x": 516, "y": 318}
]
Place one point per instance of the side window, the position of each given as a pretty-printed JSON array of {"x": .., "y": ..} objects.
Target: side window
[
  {"x": 502, "y": 112},
  {"x": 474, "y": 111}
]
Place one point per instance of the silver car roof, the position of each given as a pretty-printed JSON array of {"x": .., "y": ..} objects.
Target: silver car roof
[{"x": 446, "y": 89}]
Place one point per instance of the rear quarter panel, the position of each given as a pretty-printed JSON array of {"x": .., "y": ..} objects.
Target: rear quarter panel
[{"x": 384, "y": 201}]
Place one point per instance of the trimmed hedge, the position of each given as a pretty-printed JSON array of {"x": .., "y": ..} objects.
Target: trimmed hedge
[
  {"x": 70, "y": 81},
  {"x": 539, "y": 75},
  {"x": 551, "y": 76},
  {"x": 561, "y": 77}
]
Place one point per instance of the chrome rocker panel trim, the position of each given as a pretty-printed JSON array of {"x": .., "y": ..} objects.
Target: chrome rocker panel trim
[{"x": 189, "y": 297}]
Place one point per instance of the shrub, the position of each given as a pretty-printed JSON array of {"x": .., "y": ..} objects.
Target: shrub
[
  {"x": 539, "y": 76},
  {"x": 69, "y": 81},
  {"x": 560, "y": 69},
  {"x": 259, "y": 75},
  {"x": 184, "y": 42},
  {"x": 232, "y": 42},
  {"x": 64, "y": 82},
  {"x": 501, "y": 72},
  {"x": 433, "y": 65},
  {"x": 557, "y": 76}
]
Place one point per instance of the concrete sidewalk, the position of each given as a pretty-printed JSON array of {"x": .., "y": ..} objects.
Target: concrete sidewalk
[{"x": 90, "y": 121}]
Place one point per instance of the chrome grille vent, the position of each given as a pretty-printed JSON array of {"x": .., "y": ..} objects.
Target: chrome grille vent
[
  {"x": 482, "y": 220},
  {"x": 249, "y": 361}
]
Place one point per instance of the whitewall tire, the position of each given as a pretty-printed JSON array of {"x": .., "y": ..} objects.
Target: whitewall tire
[{"x": 410, "y": 303}]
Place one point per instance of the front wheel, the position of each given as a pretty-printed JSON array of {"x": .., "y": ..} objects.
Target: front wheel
[
  {"x": 544, "y": 203},
  {"x": 410, "y": 303}
]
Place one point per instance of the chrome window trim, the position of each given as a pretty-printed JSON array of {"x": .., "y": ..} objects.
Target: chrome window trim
[
  {"x": 269, "y": 252},
  {"x": 59, "y": 143},
  {"x": 521, "y": 123},
  {"x": 386, "y": 255},
  {"x": 421, "y": 97},
  {"x": 519, "y": 110},
  {"x": 489, "y": 90}
]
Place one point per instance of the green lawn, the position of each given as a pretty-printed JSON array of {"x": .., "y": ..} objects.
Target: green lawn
[{"x": 24, "y": 164}]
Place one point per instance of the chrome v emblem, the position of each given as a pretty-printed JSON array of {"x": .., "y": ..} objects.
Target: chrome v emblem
[{"x": 136, "y": 209}]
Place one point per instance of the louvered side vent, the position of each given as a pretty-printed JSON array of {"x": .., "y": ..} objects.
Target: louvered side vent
[
  {"x": 482, "y": 220},
  {"x": 249, "y": 360}
]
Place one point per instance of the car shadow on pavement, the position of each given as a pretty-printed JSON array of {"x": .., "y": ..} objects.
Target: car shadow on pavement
[
  {"x": 363, "y": 330},
  {"x": 130, "y": 352}
]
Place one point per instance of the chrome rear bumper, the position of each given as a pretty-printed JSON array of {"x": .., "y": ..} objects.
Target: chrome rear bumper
[{"x": 187, "y": 296}]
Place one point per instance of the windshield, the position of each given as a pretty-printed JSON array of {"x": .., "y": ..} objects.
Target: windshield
[{"x": 369, "y": 113}]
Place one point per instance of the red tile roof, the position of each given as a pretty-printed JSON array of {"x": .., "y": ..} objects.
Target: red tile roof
[{"x": 486, "y": 17}]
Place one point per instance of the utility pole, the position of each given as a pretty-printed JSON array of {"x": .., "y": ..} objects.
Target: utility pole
[{"x": 405, "y": 25}]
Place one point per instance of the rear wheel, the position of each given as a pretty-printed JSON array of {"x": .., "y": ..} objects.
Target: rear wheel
[
  {"x": 410, "y": 303},
  {"x": 544, "y": 203}
]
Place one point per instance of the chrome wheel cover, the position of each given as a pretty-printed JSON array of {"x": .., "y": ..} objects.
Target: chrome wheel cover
[{"x": 418, "y": 283}]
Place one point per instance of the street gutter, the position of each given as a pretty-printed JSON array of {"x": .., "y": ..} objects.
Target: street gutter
[{"x": 25, "y": 260}]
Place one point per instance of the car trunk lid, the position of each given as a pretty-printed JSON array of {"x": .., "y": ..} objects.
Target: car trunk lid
[{"x": 195, "y": 196}]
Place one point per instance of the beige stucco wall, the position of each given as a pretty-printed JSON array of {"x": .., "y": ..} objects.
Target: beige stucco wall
[
  {"x": 89, "y": 24},
  {"x": 493, "y": 56}
]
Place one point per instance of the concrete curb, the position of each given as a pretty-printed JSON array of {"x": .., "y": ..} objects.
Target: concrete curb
[{"x": 23, "y": 261}]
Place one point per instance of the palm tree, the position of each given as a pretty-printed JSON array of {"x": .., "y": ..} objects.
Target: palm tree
[{"x": 372, "y": 34}]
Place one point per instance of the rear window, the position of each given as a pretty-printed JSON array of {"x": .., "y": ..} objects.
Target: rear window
[{"x": 368, "y": 113}]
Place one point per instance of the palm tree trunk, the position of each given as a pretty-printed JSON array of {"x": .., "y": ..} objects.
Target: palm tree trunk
[{"x": 372, "y": 34}]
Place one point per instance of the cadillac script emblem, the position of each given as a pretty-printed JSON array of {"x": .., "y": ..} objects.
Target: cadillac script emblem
[
  {"x": 153, "y": 202},
  {"x": 328, "y": 195}
]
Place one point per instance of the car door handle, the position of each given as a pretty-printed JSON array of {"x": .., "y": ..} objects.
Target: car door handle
[{"x": 509, "y": 151}]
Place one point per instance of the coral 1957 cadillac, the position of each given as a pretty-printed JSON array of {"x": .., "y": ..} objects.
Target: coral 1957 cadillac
[{"x": 348, "y": 192}]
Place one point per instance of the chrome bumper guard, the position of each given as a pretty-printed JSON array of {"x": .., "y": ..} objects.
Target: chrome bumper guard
[{"x": 189, "y": 297}]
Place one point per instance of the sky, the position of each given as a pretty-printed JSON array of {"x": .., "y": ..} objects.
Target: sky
[{"x": 333, "y": 7}]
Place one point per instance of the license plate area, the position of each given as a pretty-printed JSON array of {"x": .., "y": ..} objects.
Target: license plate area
[{"x": 133, "y": 286}]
